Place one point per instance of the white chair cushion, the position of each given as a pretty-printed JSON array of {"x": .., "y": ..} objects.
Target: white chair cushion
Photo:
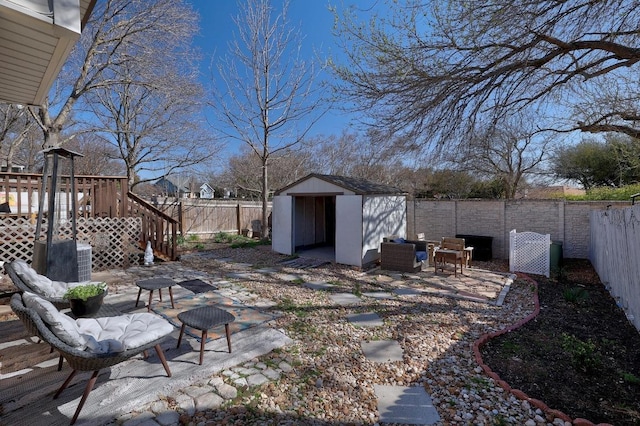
[
  {"x": 41, "y": 284},
  {"x": 123, "y": 332},
  {"x": 61, "y": 325}
]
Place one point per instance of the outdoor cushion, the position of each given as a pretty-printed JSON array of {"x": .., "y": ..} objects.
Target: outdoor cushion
[
  {"x": 123, "y": 332},
  {"x": 398, "y": 240},
  {"x": 421, "y": 256},
  {"x": 61, "y": 325},
  {"x": 41, "y": 284}
]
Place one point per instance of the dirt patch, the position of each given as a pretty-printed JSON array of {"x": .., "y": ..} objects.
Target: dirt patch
[{"x": 580, "y": 355}]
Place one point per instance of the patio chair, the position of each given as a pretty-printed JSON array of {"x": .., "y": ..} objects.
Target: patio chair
[
  {"x": 451, "y": 250},
  {"x": 91, "y": 344},
  {"x": 402, "y": 255},
  {"x": 25, "y": 278}
]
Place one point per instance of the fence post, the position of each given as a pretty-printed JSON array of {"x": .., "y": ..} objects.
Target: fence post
[
  {"x": 180, "y": 218},
  {"x": 238, "y": 215}
]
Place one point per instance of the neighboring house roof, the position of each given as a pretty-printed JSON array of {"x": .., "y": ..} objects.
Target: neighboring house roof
[
  {"x": 356, "y": 185},
  {"x": 166, "y": 185},
  {"x": 36, "y": 37},
  {"x": 206, "y": 187}
]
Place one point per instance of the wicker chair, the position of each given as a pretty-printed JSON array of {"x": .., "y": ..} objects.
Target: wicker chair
[
  {"x": 79, "y": 360},
  {"x": 401, "y": 256}
]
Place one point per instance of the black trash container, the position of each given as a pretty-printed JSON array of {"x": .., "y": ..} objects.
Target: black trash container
[{"x": 481, "y": 246}]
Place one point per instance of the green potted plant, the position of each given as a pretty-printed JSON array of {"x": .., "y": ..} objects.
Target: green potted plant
[{"x": 86, "y": 299}]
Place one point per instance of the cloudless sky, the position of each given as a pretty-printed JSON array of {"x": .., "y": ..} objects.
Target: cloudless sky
[{"x": 312, "y": 17}]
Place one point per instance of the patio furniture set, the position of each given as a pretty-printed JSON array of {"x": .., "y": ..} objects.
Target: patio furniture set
[
  {"x": 398, "y": 254},
  {"x": 108, "y": 337}
]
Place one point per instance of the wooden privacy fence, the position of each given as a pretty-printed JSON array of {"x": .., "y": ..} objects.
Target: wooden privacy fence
[
  {"x": 615, "y": 254},
  {"x": 205, "y": 218}
]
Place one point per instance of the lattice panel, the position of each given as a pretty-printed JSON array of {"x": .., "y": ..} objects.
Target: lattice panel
[
  {"x": 17, "y": 238},
  {"x": 529, "y": 252},
  {"x": 114, "y": 241}
]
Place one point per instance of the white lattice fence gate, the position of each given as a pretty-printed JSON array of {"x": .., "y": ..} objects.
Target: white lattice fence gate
[
  {"x": 114, "y": 241},
  {"x": 529, "y": 252}
]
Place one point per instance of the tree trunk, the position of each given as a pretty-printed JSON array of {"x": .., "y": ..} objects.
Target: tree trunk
[{"x": 265, "y": 199}]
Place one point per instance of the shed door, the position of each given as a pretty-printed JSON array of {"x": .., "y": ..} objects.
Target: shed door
[
  {"x": 282, "y": 221},
  {"x": 349, "y": 229}
]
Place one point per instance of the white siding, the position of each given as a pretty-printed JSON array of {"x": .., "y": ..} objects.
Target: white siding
[{"x": 382, "y": 217}]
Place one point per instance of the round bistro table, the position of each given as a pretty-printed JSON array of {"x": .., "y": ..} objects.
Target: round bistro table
[
  {"x": 204, "y": 318},
  {"x": 155, "y": 284}
]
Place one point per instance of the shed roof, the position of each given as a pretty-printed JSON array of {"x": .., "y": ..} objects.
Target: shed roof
[{"x": 356, "y": 185}]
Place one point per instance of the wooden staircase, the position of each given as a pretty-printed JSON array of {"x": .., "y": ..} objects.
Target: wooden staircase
[{"x": 157, "y": 227}]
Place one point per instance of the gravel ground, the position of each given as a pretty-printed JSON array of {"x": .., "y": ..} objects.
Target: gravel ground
[{"x": 333, "y": 383}]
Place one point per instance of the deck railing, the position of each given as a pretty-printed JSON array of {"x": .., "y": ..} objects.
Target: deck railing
[
  {"x": 97, "y": 197},
  {"x": 157, "y": 227}
]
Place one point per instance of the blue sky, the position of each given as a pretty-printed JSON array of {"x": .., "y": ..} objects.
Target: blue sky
[{"x": 312, "y": 17}]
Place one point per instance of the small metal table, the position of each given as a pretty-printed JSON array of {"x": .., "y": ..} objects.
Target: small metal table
[
  {"x": 203, "y": 319},
  {"x": 155, "y": 284}
]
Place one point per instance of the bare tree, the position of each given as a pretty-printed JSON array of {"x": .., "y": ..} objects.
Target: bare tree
[
  {"x": 99, "y": 157},
  {"x": 372, "y": 156},
  {"x": 507, "y": 153},
  {"x": 435, "y": 69},
  {"x": 16, "y": 128},
  {"x": 121, "y": 34},
  {"x": 269, "y": 101},
  {"x": 244, "y": 171},
  {"x": 154, "y": 125}
]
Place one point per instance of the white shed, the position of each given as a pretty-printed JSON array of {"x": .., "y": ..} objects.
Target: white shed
[{"x": 350, "y": 216}]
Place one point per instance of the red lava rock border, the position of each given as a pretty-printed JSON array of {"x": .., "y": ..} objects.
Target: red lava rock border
[{"x": 478, "y": 344}]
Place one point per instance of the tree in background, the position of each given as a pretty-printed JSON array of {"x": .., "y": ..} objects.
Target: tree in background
[
  {"x": 99, "y": 158},
  {"x": 613, "y": 162},
  {"x": 244, "y": 171},
  {"x": 506, "y": 153},
  {"x": 434, "y": 70},
  {"x": 269, "y": 101},
  {"x": 16, "y": 132},
  {"x": 372, "y": 156},
  {"x": 125, "y": 43},
  {"x": 153, "y": 124}
]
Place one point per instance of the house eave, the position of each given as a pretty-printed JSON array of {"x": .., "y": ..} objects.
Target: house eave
[{"x": 36, "y": 38}]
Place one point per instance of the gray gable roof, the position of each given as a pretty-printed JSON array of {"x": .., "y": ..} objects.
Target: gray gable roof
[{"x": 359, "y": 186}]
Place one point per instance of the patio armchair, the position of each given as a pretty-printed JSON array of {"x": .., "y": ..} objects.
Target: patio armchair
[
  {"x": 91, "y": 344},
  {"x": 402, "y": 255}
]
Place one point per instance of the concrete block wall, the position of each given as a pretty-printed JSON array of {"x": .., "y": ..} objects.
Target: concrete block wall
[{"x": 565, "y": 221}]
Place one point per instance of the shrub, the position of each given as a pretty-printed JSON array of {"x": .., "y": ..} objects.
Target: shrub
[
  {"x": 85, "y": 291},
  {"x": 575, "y": 295},
  {"x": 584, "y": 355}
]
